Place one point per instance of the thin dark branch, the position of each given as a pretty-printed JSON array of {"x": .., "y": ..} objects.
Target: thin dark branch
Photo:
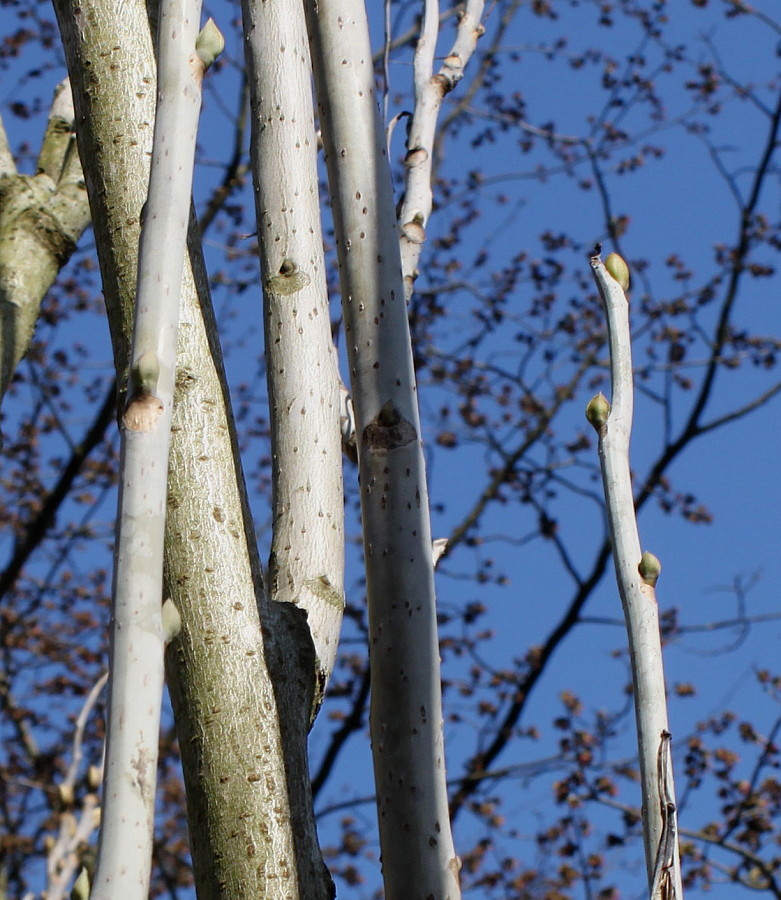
[
  {"x": 36, "y": 529},
  {"x": 352, "y": 723},
  {"x": 461, "y": 532},
  {"x": 236, "y": 168}
]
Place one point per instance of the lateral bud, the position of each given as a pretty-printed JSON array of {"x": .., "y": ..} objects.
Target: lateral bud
[
  {"x": 618, "y": 268},
  {"x": 210, "y": 43},
  {"x": 144, "y": 407},
  {"x": 145, "y": 375},
  {"x": 650, "y": 568},
  {"x": 598, "y": 411}
]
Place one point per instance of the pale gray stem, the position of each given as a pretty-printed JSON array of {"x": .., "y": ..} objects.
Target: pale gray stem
[
  {"x": 636, "y": 577},
  {"x": 430, "y": 90},
  {"x": 138, "y": 636},
  {"x": 406, "y": 709},
  {"x": 306, "y": 566}
]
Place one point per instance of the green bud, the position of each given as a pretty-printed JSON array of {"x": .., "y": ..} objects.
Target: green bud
[
  {"x": 618, "y": 269},
  {"x": 650, "y": 568},
  {"x": 80, "y": 889},
  {"x": 210, "y": 43},
  {"x": 598, "y": 410},
  {"x": 145, "y": 374}
]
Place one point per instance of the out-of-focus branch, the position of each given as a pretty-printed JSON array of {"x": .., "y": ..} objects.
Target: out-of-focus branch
[
  {"x": 65, "y": 855},
  {"x": 512, "y": 458},
  {"x": 236, "y": 168},
  {"x": 35, "y": 531},
  {"x": 353, "y": 721},
  {"x": 430, "y": 90}
]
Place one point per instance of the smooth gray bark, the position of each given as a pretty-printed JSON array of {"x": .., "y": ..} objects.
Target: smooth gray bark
[
  {"x": 306, "y": 566},
  {"x": 418, "y": 857},
  {"x": 636, "y": 575}
]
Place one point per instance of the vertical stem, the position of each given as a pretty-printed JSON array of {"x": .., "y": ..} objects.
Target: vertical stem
[
  {"x": 418, "y": 857},
  {"x": 430, "y": 91},
  {"x": 138, "y": 632},
  {"x": 307, "y": 552},
  {"x": 636, "y": 574}
]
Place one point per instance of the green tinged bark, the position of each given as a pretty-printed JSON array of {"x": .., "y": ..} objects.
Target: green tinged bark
[
  {"x": 42, "y": 216},
  {"x": 241, "y": 731}
]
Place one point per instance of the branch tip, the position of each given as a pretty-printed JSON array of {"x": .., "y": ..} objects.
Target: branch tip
[
  {"x": 80, "y": 889},
  {"x": 210, "y": 43},
  {"x": 617, "y": 267},
  {"x": 172, "y": 620}
]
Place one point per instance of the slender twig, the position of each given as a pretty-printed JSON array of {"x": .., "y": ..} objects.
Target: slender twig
[
  {"x": 37, "y": 528},
  {"x": 636, "y": 575}
]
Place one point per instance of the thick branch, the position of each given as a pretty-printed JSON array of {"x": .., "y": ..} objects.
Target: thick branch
[
  {"x": 42, "y": 216},
  {"x": 306, "y": 566}
]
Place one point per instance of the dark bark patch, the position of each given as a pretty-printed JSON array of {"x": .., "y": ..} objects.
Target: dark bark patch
[{"x": 389, "y": 430}]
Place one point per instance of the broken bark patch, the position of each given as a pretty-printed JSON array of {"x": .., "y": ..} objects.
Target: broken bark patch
[
  {"x": 142, "y": 413},
  {"x": 389, "y": 430}
]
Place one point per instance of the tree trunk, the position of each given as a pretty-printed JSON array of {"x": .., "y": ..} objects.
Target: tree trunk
[
  {"x": 307, "y": 552},
  {"x": 249, "y": 805},
  {"x": 418, "y": 857}
]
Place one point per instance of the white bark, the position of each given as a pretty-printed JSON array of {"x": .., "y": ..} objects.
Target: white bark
[
  {"x": 7, "y": 164},
  {"x": 138, "y": 636},
  {"x": 430, "y": 90},
  {"x": 307, "y": 552},
  {"x": 613, "y": 424},
  {"x": 418, "y": 857}
]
